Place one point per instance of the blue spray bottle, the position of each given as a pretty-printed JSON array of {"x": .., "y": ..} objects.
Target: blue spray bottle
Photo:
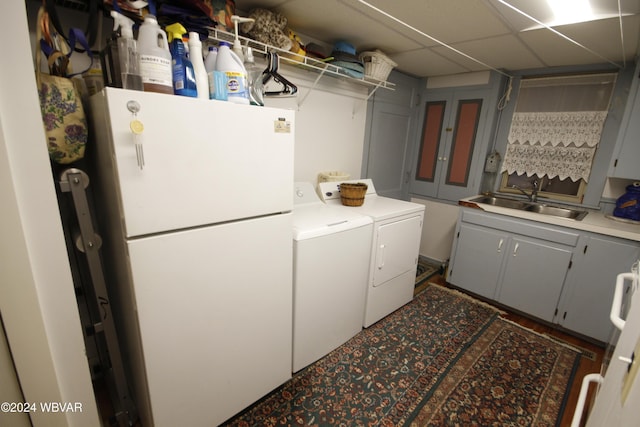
[{"x": 184, "y": 78}]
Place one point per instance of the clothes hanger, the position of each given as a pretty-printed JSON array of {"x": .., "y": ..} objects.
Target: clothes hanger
[{"x": 271, "y": 72}]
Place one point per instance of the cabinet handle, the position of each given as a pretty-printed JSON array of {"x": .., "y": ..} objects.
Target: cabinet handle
[
  {"x": 444, "y": 159},
  {"x": 515, "y": 249},
  {"x": 500, "y": 245}
]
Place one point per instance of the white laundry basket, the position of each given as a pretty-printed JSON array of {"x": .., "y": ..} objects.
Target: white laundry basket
[{"x": 333, "y": 176}]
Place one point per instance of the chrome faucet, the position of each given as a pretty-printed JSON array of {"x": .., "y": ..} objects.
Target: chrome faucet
[{"x": 533, "y": 197}]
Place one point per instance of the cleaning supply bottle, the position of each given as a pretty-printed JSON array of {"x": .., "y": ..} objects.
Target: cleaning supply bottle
[
  {"x": 195, "y": 55},
  {"x": 254, "y": 79},
  {"x": 217, "y": 79},
  {"x": 210, "y": 60},
  {"x": 229, "y": 63},
  {"x": 155, "y": 57},
  {"x": 128, "y": 57},
  {"x": 184, "y": 79}
]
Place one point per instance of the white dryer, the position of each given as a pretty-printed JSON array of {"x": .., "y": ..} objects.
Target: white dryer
[
  {"x": 331, "y": 249},
  {"x": 395, "y": 247}
]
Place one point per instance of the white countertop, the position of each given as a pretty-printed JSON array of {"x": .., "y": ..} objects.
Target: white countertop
[{"x": 595, "y": 221}]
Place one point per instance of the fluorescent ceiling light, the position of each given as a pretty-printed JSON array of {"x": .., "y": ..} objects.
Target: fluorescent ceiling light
[
  {"x": 570, "y": 11},
  {"x": 566, "y": 12}
]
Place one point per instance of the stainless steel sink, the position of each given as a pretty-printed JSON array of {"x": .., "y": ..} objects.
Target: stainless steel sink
[
  {"x": 523, "y": 205},
  {"x": 557, "y": 211},
  {"x": 500, "y": 201}
]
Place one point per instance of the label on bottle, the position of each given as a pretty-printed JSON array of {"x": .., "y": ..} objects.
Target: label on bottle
[
  {"x": 156, "y": 70},
  {"x": 237, "y": 84}
]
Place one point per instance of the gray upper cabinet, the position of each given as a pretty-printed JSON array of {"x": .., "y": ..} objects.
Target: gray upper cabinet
[
  {"x": 626, "y": 156},
  {"x": 457, "y": 126}
]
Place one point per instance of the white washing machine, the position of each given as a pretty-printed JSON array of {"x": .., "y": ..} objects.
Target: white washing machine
[
  {"x": 395, "y": 247},
  {"x": 331, "y": 249}
]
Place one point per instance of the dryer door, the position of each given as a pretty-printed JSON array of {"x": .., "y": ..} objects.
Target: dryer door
[{"x": 398, "y": 243}]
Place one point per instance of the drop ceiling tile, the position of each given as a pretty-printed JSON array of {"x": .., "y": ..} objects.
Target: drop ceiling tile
[
  {"x": 446, "y": 20},
  {"x": 424, "y": 62},
  {"x": 505, "y": 52},
  {"x": 604, "y": 37},
  {"x": 601, "y": 39}
]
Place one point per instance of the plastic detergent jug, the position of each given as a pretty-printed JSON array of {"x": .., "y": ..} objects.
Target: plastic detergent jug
[
  {"x": 231, "y": 65},
  {"x": 155, "y": 58},
  {"x": 195, "y": 54},
  {"x": 184, "y": 79}
]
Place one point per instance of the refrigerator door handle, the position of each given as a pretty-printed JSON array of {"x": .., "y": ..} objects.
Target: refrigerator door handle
[
  {"x": 586, "y": 381},
  {"x": 616, "y": 306}
]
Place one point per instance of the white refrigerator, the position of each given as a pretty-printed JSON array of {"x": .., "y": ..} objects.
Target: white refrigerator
[
  {"x": 194, "y": 204},
  {"x": 618, "y": 386}
]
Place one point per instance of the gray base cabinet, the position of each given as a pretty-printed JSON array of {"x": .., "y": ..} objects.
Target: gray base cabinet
[
  {"x": 587, "y": 301},
  {"x": 557, "y": 274},
  {"x": 533, "y": 276},
  {"x": 480, "y": 255}
]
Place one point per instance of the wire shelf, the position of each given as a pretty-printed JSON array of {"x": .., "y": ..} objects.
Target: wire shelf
[{"x": 324, "y": 68}]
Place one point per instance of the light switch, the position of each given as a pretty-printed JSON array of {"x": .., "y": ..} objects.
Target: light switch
[{"x": 632, "y": 373}]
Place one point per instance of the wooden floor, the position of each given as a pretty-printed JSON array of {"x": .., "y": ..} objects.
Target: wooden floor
[{"x": 587, "y": 366}]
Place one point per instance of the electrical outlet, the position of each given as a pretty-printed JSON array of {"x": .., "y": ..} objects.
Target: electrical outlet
[{"x": 632, "y": 373}]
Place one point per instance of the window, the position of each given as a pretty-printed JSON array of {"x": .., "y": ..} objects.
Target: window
[{"x": 554, "y": 134}]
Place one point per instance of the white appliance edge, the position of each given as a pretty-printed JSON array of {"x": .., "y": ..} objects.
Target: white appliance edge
[{"x": 611, "y": 407}]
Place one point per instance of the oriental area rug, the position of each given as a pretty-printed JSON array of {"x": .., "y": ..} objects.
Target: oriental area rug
[{"x": 443, "y": 359}]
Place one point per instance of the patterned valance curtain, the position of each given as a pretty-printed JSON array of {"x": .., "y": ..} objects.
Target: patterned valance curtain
[
  {"x": 557, "y": 126},
  {"x": 556, "y": 144}
]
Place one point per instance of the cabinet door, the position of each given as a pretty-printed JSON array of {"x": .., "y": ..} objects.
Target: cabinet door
[
  {"x": 627, "y": 152},
  {"x": 388, "y": 142},
  {"x": 451, "y": 144},
  {"x": 479, "y": 253},
  {"x": 432, "y": 147},
  {"x": 588, "y": 303},
  {"x": 534, "y": 275}
]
